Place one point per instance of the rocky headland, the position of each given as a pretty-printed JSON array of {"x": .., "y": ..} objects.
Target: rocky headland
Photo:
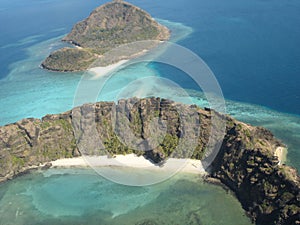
[
  {"x": 109, "y": 26},
  {"x": 246, "y": 162}
]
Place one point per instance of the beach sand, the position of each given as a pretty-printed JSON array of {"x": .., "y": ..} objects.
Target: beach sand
[
  {"x": 132, "y": 161},
  {"x": 281, "y": 153},
  {"x": 102, "y": 71}
]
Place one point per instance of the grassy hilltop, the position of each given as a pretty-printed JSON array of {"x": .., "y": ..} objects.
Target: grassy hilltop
[{"x": 107, "y": 27}]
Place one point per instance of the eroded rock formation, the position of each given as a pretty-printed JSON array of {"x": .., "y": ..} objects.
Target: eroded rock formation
[{"x": 246, "y": 162}]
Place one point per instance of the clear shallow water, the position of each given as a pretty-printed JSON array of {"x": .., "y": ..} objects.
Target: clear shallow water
[
  {"x": 254, "y": 59},
  {"x": 49, "y": 92},
  {"x": 28, "y": 91},
  {"x": 250, "y": 46},
  {"x": 78, "y": 196}
]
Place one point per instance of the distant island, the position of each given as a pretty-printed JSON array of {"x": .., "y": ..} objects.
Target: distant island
[
  {"x": 249, "y": 160},
  {"x": 111, "y": 25}
]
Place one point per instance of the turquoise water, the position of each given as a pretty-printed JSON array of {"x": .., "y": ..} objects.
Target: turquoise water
[
  {"x": 80, "y": 196},
  {"x": 254, "y": 59},
  {"x": 49, "y": 93},
  {"x": 75, "y": 196}
]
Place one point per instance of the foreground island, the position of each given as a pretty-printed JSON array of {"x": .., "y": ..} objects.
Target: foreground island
[
  {"x": 247, "y": 161},
  {"x": 109, "y": 26}
]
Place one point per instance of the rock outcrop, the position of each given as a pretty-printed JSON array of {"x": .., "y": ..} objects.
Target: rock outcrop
[
  {"x": 246, "y": 162},
  {"x": 111, "y": 25}
]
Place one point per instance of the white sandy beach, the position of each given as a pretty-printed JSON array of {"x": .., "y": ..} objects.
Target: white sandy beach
[
  {"x": 281, "y": 153},
  {"x": 132, "y": 161},
  {"x": 102, "y": 71}
]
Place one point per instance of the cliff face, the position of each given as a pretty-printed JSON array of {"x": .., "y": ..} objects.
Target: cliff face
[
  {"x": 32, "y": 141},
  {"x": 245, "y": 163},
  {"x": 108, "y": 26}
]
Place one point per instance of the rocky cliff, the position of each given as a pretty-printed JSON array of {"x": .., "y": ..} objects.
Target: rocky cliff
[
  {"x": 269, "y": 192},
  {"x": 108, "y": 26}
]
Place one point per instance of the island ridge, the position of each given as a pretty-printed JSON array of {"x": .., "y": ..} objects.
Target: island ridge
[
  {"x": 247, "y": 162},
  {"x": 109, "y": 26}
]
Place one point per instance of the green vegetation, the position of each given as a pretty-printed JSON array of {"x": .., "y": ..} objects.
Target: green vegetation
[
  {"x": 293, "y": 208},
  {"x": 111, "y": 25},
  {"x": 66, "y": 125},
  {"x": 199, "y": 151},
  {"x": 230, "y": 123},
  {"x": 268, "y": 191},
  {"x": 45, "y": 125},
  {"x": 247, "y": 133},
  {"x": 136, "y": 123},
  {"x": 17, "y": 161},
  {"x": 287, "y": 196},
  {"x": 169, "y": 144},
  {"x": 69, "y": 59},
  {"x": 266, "y": 207},
  {"x": 114, "y": 146},
  {"x": 239, "y": 126},
  {"x": 107, "y": 27}
]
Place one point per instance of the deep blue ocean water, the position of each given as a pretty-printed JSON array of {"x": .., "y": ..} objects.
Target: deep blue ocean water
[{"x": 251, "y": 46}]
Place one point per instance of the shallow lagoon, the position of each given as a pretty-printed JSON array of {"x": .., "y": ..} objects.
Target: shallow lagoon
[{"x": 75, "y": 196}]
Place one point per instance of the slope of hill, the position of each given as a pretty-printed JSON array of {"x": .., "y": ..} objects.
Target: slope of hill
[
  {"x": 246, "y": 163},
  {"x": 107, "y": 27}
]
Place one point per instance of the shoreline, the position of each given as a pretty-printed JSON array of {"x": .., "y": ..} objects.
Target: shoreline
[
  {"x": 131, "y": 161},
  {"x": 108, "y": 67},
  {"x": 281, "y": 153},
  {"x": 25, "y": 170},
  {"x": 101, "y": 71}
]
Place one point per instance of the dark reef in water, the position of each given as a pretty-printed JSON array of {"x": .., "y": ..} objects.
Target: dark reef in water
[{"x": 246, "y": 162}]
